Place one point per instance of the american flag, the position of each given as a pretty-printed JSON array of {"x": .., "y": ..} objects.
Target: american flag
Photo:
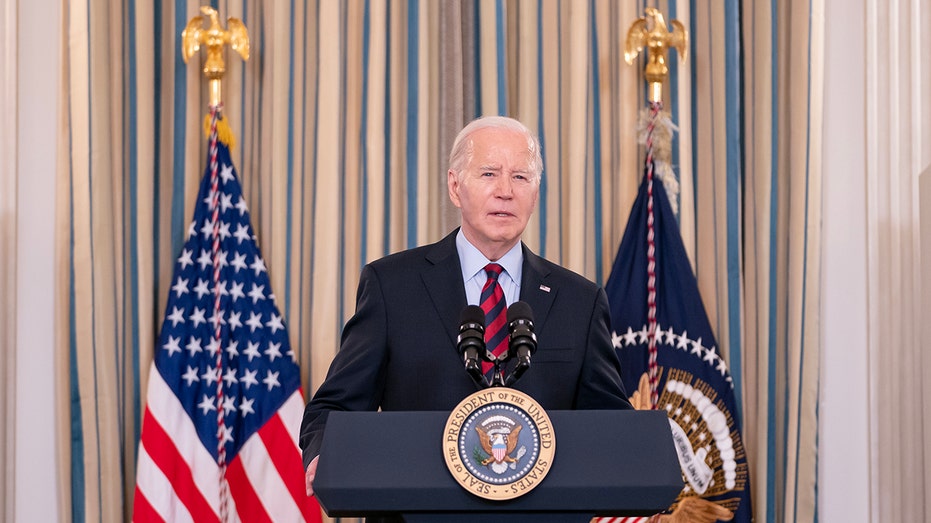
[
  {"x": 692, "y": 381},
  {"x": 219, "y": 436}
]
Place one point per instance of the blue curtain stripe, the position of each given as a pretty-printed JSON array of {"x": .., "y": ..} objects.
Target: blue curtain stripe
[
  {"x": 734, "y": 189},
  {"x": 131, "y": 207},
  {"x": 363, "y": 132},
  {"x": 181, "y": 122},
  {"x": 501, "y": 55},
  {"x": 289, "y": 220},
  {"x": 386, "y": 128},
  {"x": 541, "y": 131},
  {"x": 772, "y": 348},
  {"x": 595, "y": 167},
  {"x": 413, "y": 79}
]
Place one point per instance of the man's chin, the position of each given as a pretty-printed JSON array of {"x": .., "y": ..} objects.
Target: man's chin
[
  {"x": 498, "y": 236},
  {"x": 505, "y": 240}
]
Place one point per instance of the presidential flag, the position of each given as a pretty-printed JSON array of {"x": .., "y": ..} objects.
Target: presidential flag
[
  {"x": 224, "y": 406},
  {"x": 654, "y": 300}
]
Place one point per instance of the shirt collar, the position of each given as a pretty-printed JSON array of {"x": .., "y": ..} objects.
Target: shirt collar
[{"x": 472, "y": 260}]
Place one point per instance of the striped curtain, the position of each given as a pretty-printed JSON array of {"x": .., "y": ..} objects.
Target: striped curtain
[
  {"x": 344, "y": 116},
  {"x": 779, "y": 204}
]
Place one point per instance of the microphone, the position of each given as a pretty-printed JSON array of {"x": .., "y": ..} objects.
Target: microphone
[
  {"x": 471, "y": 340},
  {"x": 522, "y": 340}
]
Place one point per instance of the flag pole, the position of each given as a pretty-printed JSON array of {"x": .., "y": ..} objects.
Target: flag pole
[
  {"x": 651, "y": 32},
  {"x": 214, "y": 38}
]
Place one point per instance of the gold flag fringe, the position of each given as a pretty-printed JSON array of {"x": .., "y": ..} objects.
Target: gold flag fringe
[{"x": 224, "y": 132}]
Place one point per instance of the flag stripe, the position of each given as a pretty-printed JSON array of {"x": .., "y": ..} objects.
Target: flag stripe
[
  {"x": 155, "y": 499},
  {"x": 165, "y": 455},
  {"x": 248, "y": 504},
  {"x": 281, "y": 447},
  {"x": 170, "y": 418},
  {"x": 143, "y": 512},
  {"x": 262, "y": 464}
]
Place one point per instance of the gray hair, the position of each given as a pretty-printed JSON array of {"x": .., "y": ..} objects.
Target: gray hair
[{"x": 461, "y": 152}]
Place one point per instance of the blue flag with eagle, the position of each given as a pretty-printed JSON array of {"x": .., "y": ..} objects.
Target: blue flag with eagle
[{"x": 652, "y": 289}]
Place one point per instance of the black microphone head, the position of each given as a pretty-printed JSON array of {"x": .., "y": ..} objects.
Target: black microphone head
[
  {"x": 472, "y": 314},
  {"x": 519, "y": 310},
  {"x": 471, "y": 331},
  {"x": 471, "y": 342},
  {"x": 522, "y": 342}
]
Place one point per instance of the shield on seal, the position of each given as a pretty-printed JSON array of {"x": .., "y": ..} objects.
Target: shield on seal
[{"x": 499, "y": 448}]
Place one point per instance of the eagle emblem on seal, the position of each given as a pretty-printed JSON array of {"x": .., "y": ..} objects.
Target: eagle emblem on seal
[{"x": 499, "y": 441}]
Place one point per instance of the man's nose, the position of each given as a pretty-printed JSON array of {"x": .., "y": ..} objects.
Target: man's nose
[{"x": 504, "y": 187}]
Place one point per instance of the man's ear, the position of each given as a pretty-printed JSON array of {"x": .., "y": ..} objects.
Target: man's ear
[{"x": 452, "y": 184}]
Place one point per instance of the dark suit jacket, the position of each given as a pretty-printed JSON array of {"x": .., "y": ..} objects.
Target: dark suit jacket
[{"x": 398, "y": 352}]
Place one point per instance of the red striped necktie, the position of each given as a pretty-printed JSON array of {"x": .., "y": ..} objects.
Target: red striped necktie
[{"x": 492, "y": 302}]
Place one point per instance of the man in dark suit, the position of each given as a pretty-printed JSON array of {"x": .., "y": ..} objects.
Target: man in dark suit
[{"x": 398, "y": 351}]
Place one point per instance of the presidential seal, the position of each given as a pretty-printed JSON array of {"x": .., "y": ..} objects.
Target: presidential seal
[{"x": 499, "y": 443}]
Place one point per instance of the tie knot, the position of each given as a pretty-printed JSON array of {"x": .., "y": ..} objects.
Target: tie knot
[{"x": 493, "y": 270}]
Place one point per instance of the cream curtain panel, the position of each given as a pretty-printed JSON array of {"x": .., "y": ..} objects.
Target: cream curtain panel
[{"x": 344, "y": 116}]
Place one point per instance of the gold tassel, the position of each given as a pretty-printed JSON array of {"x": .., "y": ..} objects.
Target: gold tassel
[{"x": 224, "y": 132}]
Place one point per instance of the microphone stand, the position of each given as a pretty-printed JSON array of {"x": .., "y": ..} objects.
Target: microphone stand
[{"x": 497, "y": 378}]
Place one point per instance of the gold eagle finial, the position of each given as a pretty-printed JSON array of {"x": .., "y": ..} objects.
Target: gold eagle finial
[
  {"x": 651, "y": 32},
  {"x": 214, "y": 38}
]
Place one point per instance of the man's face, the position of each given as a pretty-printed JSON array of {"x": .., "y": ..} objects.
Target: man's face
[{"x": 497, "y": 190}]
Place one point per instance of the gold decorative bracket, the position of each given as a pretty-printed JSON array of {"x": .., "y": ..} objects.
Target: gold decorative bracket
[
  {"x": 651, "y": 32},
  {"x": 214, "y": 38}
]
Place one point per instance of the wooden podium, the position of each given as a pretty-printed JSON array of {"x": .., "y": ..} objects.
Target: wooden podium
[{"x": 607, "y": 463}]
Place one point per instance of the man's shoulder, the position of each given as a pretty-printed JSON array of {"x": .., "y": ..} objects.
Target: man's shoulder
[
  {"x": 416, "y": 256},
  {"x": 403, "y": 258}
]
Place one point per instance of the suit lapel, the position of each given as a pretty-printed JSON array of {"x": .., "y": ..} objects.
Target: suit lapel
[
  {"x": 443, "y": 281},
  {"x": 536, "y": 289}
]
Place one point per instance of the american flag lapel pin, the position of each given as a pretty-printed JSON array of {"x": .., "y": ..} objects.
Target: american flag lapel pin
[{"x": 544, "y": 288}]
